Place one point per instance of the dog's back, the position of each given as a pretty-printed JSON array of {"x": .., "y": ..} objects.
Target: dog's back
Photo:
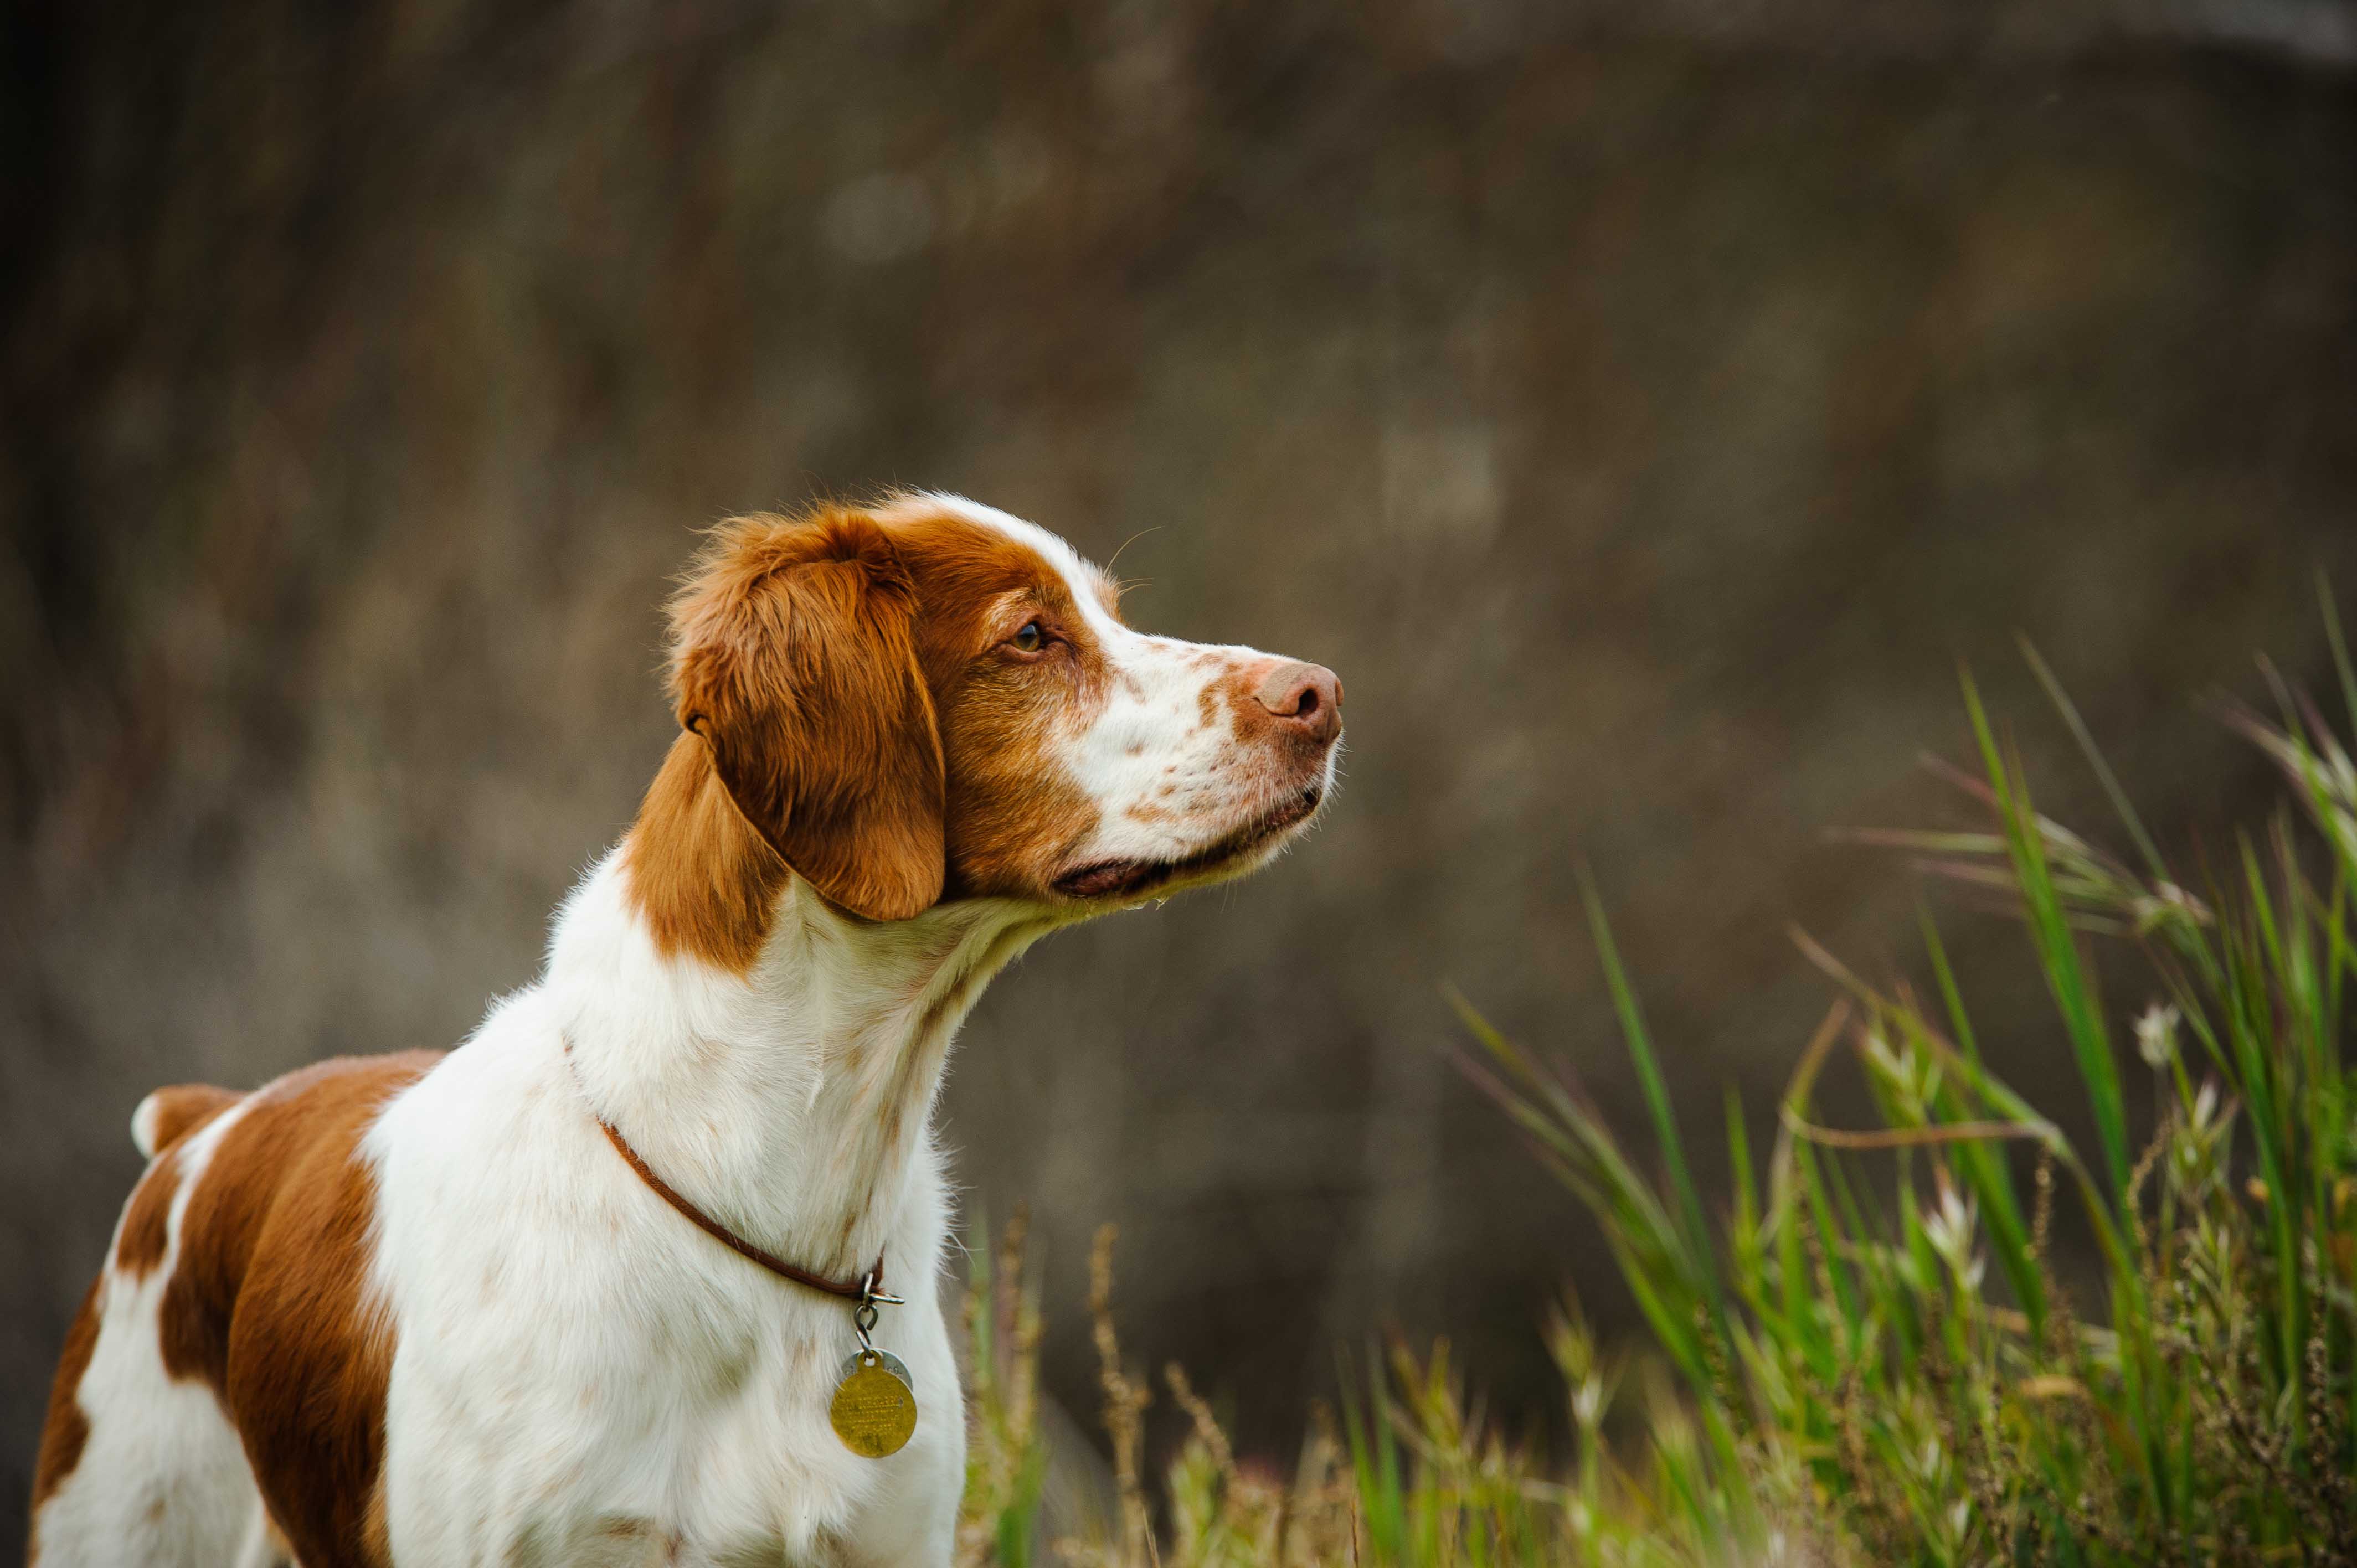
[{"x": 196, "y": 1318}]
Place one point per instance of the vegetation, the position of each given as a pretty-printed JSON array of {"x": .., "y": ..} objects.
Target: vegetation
[{"x": 1870, "y": 1358}]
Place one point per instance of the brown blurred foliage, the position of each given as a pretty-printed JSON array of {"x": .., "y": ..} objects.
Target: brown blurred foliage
[{"x": 1643, "y": 408}]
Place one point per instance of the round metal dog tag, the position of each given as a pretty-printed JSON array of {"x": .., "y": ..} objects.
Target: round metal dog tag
[{"x": 874, "y": 1411}]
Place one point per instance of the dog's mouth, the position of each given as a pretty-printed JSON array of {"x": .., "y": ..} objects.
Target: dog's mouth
[{"x": 1129, "y": 878}]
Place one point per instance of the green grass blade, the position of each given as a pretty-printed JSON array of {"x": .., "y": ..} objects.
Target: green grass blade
[
  {"x": 1695, "y": 1233},
  {"x": 2121, "y": 804}
]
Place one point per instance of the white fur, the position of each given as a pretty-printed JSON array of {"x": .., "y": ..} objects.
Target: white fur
[
  {"x": 143, "y": 1123},
  {"x": 163, "y": 1478},
  {"x": 581, "y": 1376}
]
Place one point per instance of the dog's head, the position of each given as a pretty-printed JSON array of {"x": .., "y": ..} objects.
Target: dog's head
[{"x": 931, "y": 700}]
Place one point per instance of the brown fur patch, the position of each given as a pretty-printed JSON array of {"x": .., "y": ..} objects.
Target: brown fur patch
[
  {"x": 268, "y": 1302},
  {"x": 1012, "y": 815},
  {"x": 146, "y": 1219},
  {"x": 376, "y": 1529},
  {"x": 66, "y": 1430},
  {"x": 793, "y": 659},
  {"x": 705, "y": 881},
  {"x": 183, "y": 1108}
]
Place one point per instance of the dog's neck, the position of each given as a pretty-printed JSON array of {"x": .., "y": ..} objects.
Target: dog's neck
[{"x": 790, "y": 1098}]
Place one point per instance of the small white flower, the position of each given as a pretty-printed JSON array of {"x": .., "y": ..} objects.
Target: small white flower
[
  {"x": 2156, "y": 1035},
  {"x": 1951, "y": 1227},
  {"x": 2205, "y": 1103}
]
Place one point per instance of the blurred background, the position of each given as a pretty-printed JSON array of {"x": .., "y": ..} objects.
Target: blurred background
[{"x": 1643, "y": 405}]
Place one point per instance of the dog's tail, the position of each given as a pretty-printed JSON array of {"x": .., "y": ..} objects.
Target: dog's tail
[{"x": 171, "y": 1113}]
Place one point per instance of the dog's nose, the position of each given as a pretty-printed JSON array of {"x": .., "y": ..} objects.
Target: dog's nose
[{"x": 1306, "y": 697}]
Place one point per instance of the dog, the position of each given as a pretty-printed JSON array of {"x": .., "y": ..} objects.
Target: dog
[{"x": 609, "y": 1282}]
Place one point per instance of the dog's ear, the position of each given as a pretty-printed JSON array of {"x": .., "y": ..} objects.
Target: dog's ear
[{"x": 793, "y": 655}]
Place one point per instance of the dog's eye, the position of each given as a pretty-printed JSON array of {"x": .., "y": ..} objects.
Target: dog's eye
[{"x": 1030, "y": 639}]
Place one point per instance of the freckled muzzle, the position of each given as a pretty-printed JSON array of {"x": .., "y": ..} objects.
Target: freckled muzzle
[{"x": 1293, "y": 714}]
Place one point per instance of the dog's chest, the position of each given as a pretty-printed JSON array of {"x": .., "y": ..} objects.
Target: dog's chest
[
  {"x": 642, "y": 1461},
  {"x": 580, "y": 1375}
]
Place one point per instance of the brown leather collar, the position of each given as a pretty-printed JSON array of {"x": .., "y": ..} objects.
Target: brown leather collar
[{"x": 866, "y": 1287}]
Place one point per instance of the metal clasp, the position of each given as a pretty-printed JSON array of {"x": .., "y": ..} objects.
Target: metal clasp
[{"x": 864, "y": 1316}]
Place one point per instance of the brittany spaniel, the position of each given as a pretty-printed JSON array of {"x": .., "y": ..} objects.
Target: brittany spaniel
[{"x": 609, "y": 1283}]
